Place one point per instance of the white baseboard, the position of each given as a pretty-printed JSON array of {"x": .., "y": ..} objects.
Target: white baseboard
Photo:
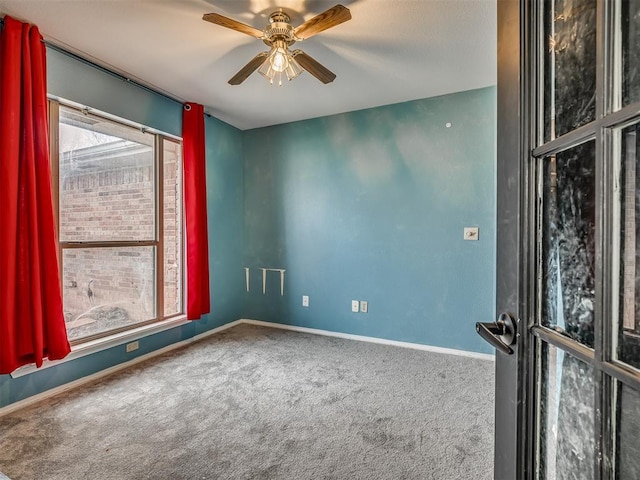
[
  {"x": 121, "y": 366},
  {"x": 381, "y": 341},
  {"x": 108, "y": 371}
]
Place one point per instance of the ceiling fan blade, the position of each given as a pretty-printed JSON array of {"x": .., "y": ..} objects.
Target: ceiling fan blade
[
  {"x": 232, "y": 24},
  {"x": 248, "y": 69},
  {"x": 332, "y": 17},
  {"x": 319, "y": 71}
]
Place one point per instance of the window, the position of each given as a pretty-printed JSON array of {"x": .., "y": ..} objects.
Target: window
[{"x": 119, "y": 210}]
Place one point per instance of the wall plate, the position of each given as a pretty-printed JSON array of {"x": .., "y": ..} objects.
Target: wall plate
[{"x": 471, "y": 233}]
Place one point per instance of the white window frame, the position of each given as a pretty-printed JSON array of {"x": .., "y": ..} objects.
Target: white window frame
[{"x": 91, "y": 344}]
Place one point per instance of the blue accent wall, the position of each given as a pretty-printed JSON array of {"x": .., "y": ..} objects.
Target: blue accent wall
[
  {"x": 76, "y": 81},
  {"x": 367, "y": 205},
  {"x": 80, "y": 82},
  {"x": 371, "y": 205}
]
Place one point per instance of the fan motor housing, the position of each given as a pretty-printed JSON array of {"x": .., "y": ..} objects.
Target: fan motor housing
[{"x": 279, "y": 28}]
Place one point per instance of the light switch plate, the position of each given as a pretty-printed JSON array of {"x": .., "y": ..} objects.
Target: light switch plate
[
  {"x": 471, "y": 233},
  {"x": 305, "y": 300}
]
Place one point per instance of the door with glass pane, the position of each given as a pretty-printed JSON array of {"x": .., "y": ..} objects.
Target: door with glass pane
[{"x": 568, "y": 399}]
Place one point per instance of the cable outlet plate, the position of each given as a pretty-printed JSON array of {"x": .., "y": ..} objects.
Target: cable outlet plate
[
  {"x": 305, "y": 300},
  {"x": 355, "y": 306},
  {"x": 133, "y": 346}
]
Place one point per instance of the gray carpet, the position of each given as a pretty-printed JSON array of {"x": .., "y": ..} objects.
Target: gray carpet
[{"x": 261, "y": 403}]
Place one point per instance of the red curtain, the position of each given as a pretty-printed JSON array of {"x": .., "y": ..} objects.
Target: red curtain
[
  {"x": 31, "y": 317},
  {"x": 195, "y": 199}
]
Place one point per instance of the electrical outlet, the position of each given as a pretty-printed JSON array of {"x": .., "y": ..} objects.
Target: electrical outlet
[
  {"x": 305, "y": 300},
  {"x": 364, "y": 306},
  {"x": 133, "y": 346},
  {"x": 355, "y": 306}
]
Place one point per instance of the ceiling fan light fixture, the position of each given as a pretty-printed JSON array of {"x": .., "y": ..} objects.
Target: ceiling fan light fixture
[
  {"x": 293, "y": 69},
  {"x": 280, "y": 61},
  {"x": 267, "y": 71},
  {"x": 279, "y": 57}
]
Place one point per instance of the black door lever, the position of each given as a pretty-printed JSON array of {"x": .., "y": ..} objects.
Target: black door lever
[{"x": 501, "y": 333}]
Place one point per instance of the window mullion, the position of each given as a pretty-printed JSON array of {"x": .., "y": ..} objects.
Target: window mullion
[
  {"x": 159, "y": 161},
  {"x": 54, "y": 160},
  {"x": 110, "y": 243}
]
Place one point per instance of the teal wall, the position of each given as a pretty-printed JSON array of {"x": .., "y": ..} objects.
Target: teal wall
[
  {"x": 73, "y": 80},
  {"x": 368, "y": 205},
  {"x": 371, "y": 205},
  {"x": 87, "y": 85}
]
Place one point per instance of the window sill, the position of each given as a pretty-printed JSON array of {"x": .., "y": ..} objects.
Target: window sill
[{"x": 94, "y": 346}]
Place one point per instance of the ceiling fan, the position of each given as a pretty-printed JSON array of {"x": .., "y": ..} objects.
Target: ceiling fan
[{"x": 280, "y": 35}]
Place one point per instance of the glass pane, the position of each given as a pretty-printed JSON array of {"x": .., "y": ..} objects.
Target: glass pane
[
  {"x": 172, "y": 227},
  {"x": 106, "y": 180},
  {"x": 107, "y": 288},
  {"x": 569, "y": 62},
  {"x": 568, "y": 242},
  {"x": 630, "y": 33},
  {"x": 628, "y": 434},
  {"x": 628, "y": 345},
  {"x": 566, "y": 420}
]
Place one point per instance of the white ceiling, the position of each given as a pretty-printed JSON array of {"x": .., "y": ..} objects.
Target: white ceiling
[{"x": 391, "y": 51}]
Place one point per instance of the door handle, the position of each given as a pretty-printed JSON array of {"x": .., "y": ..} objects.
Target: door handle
[{"x": 501, "y": 333}]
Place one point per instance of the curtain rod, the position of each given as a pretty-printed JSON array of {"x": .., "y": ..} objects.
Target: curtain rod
[
  {"x": 108, "y": 71},
  {"x": 75, "y": 56},
  {"x": 143, "y": 86}
]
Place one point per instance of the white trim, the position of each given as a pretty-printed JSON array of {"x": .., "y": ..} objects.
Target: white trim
[
  {"x": 381, "y": 341},
  {"x": 108, "y": 371},
  {"x": 100, "y": 344},
  {"x": 121, "y": 366},
  {"x": 94, "y": 346}
]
